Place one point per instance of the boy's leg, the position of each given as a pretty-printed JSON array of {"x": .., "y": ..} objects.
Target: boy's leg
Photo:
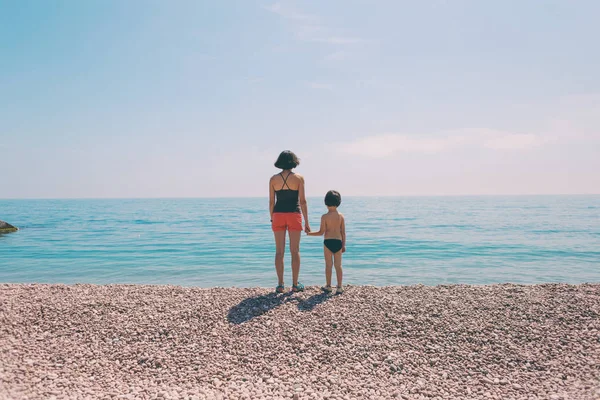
[
  {"x": 328, "y": 265},
  {"x": 337, "y": 260},
  {"x": 279, "y": 251}
]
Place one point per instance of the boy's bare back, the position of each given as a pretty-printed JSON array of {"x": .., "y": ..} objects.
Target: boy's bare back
[{"x": 333, "y": 222}]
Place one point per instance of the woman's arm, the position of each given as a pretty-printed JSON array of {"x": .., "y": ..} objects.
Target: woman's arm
[
  {"x": 343, "y": 230},
  {"x": 321, "y": 230},
  {"x": 303, "y": 204},
  {"x": 271, "y": 198}
]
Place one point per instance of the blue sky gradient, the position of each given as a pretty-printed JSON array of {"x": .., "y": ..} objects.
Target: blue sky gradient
[{"x": 197, "y": 98}]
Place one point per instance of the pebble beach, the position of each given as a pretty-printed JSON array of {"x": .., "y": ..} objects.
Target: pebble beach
[{"x": 407, "y": 342}]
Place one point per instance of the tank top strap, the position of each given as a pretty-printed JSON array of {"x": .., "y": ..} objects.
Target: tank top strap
[{"x": 285, "y": 180}]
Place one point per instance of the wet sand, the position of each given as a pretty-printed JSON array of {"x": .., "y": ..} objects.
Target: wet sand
[{"x": 407, "y": 342}]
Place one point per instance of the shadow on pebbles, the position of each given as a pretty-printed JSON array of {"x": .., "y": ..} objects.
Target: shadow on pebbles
[{"x": 409, "y": 342}]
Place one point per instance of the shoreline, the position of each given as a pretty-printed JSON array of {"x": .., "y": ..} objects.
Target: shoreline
[
  {"x": 455, "y": 341},
  {"x": 288, "y": 286}
]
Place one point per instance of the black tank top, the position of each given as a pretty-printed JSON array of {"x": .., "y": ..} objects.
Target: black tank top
[{"x": 287, "y": 199}]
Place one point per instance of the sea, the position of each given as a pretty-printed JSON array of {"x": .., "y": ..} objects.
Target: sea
[{"x": 228, "y": 242}]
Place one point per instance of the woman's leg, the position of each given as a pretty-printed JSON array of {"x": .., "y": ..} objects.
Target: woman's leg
[
  {"x": 337, "y": 260},
  {"x": 328, "y": 265},
  {"x": 295, "y": 251},
  {"x": 279, "y": 251}
]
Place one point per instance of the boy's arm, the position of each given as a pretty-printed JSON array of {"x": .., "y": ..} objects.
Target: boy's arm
[
  {"x": 343, "y": 229},
  {"x": 321, "y": 229}
]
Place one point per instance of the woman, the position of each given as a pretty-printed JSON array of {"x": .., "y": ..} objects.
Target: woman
[{"x": 286, "y": 201}]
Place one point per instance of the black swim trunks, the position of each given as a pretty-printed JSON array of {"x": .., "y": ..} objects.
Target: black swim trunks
[{"x": 334, "y": 245}]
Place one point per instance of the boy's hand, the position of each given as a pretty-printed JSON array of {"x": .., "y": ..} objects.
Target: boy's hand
[{"x": 343, "y": 249}]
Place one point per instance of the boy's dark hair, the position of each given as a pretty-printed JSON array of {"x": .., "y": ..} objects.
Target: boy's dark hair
[
  {"x": 333, "y": 198},
  {"x": 287, "y": 160}
]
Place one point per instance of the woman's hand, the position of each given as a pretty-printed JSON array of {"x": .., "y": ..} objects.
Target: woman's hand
[{"x": 306, "y": 228}]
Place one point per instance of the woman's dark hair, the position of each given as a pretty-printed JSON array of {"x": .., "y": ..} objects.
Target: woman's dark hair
[
  {"x": 333, "y": 198},
  {"x": 287, "y": 160}
]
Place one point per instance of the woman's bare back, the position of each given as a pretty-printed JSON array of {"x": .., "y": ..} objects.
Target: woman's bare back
[{"x": 284, "y": 181}]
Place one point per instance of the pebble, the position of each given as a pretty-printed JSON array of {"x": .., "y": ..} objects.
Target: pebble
[{"x": 410, "y": 342}]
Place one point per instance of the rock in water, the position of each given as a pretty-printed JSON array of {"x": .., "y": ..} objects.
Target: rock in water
[{"x": 5, "y": 227}]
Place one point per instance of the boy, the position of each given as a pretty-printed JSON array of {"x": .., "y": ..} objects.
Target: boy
[{"x": 334, "y": 228}]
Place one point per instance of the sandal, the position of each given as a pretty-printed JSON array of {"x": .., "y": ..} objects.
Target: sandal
[
  {"x": 339, "y": 290},
  {"x": 280, "y": 289},
  {"x": 326, "y": 289},
  {"x": 298, "y": 288}
]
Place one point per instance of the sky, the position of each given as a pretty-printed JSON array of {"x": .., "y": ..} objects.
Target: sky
[{"x": 135, "y": 99}]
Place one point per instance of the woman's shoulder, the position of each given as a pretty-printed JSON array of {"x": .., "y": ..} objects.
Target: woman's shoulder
[{"x": 294, "y": 176}]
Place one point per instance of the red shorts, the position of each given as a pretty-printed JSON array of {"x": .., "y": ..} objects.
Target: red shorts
[{"x": 290, "y": 221}]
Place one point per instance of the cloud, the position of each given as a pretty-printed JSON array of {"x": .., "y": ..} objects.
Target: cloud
[
  {"x": 376, "y": 83},
  {"x": 385, "y": 145},
  {"x": 310, "y": 28},
  {"x": 317, "y": 85},
  {"x": 287, "y": 12},
  {"x": 381, "y": 146},
  {"x": 569, "y": 120},
  {"x": 513, "y": 141}
]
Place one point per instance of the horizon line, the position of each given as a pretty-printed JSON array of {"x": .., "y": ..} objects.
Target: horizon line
[{"x": 308, "y": 197}]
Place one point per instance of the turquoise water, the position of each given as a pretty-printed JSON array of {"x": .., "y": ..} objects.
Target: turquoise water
[{"x": 228, "y": 242}]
